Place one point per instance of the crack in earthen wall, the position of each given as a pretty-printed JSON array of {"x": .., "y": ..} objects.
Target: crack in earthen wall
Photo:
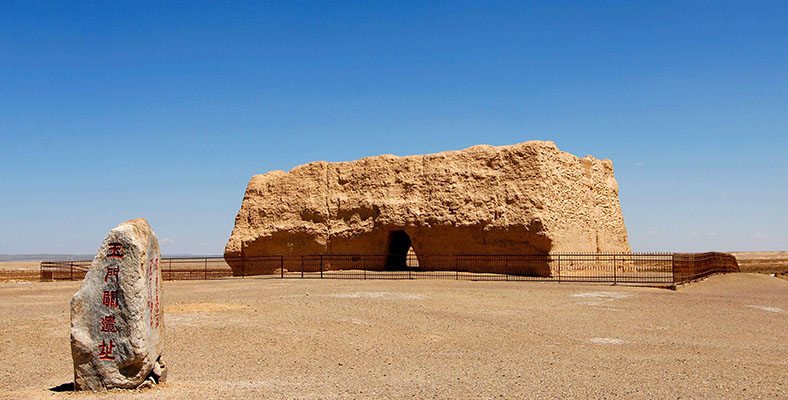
[
  {"x": 424, "y": 183},
  {"x": 497, "y": 194},
  {"x": 328, "y": 206}
]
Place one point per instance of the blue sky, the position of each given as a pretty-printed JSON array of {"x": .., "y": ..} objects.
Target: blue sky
[{"x": 114, "y": 111}]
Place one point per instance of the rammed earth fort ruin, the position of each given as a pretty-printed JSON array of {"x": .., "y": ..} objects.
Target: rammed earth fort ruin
[{"x": 527, "y": 198}]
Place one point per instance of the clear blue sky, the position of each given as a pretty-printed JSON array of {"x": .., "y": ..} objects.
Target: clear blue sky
[{"x": 110, "y": 112}]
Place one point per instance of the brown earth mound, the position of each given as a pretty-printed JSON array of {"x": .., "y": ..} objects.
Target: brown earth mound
[{"x": 525, "y": 198}]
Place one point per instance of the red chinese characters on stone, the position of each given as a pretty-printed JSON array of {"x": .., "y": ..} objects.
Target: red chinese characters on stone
[
  {"x": 108, "y": 324},
  {"x": 106, "y": 350},
  {"x": 150, "y": 313},
  {"x": 153, "y": 293},
  {"x": 110, "y": 298},
  {"x": 114, "y": 250},
  {"x": 158, "y": 316},
  {"x": 112, "y": 271}
]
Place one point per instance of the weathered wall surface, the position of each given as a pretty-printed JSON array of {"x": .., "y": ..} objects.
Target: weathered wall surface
[{"x": 525, "y": 198}]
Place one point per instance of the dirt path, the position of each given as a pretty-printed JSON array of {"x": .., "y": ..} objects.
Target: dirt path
[{"x": 254, "y": 338}]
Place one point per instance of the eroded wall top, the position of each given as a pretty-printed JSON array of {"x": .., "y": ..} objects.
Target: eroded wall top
[{"x": 527, "y": 197}]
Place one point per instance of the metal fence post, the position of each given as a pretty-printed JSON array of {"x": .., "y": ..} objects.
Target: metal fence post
[
  {"x": 506, "y": 266},
  {"x": 321, "y": 266},
  {"x": 282, "y": 266},
  {"x": 456, "y": 267},
  {"x": 559, "y": 268},
  {"x": 302, "y": 267},
  {"x": 614, "y": 270},
  {"x": 71, "y": 265}
]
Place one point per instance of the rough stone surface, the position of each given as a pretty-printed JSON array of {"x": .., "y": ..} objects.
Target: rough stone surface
[
  {"x": 519, "y": 199},
  {"x": 116, "y": 318}
]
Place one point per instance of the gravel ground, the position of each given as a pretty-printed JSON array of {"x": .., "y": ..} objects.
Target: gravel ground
[{"x": 726, "y": 337}]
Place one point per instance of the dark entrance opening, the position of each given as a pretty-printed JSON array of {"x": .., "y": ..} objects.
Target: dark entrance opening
[{"x": 399, "y": 243}]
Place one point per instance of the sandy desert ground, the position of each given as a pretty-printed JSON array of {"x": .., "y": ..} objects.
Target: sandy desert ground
[
  {"x": 725, "y": 337},
  {"x": 20, "y": 265}
]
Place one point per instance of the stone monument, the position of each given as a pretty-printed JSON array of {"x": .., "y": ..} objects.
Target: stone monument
[{"x": 116, "y": 315}]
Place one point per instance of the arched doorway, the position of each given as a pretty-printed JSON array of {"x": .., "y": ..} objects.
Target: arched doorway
[{"x": 398, "y": 243}]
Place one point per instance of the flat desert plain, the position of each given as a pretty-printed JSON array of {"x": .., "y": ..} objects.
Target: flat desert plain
[
  {"x": 768, "y": 262},
  {"x": 725, "y": 337},
  {"x": 14, "y": 271}
]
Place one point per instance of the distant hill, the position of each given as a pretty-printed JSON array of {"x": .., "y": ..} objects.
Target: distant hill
[{"x": 767, "y": 262}]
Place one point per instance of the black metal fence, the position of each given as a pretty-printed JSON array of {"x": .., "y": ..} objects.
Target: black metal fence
[{"x": 663, "y": 269}]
